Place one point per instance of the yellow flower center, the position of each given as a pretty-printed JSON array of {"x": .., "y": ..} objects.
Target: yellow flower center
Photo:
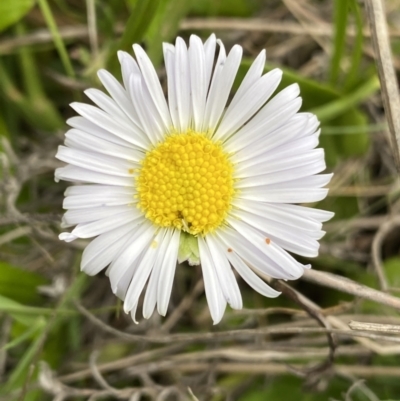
[{"x": 186, "y": 182}]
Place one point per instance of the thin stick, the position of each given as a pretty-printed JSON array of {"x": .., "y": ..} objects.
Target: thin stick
[
  {"x": 376, "y": 249},
  {"x": 315, "y": 312},
  {"x": 377, "y": 327},
  {"x": 183, "y": 307},
  {"x": 76, "y": 32},
  {"x": 223, "y": 335},
  {"x": 266, "y": 368},
  {"x": 350, "y": 287},
  {"x": 387, "y": 76}
]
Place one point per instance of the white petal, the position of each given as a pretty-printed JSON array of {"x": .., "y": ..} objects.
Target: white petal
[
  {"x": 182, "y": 84},
  {"x": 275, "y": 179},
  {"x": 287, "y": 264},
  {"x": 251, "y": 278},
  {"x": 290, "y": 195},
  {"x": 253, "y": 74},
  {"x": 251, "y": 254},
  {"x": 128, "y": 67},
  {"x": 281, "y": 233},
  {"x": 297, "y": 146},
  {"x": 133, "y": 314},
  {"x": 224, "y": 75},
  {"x": 169, "y": 57},
  {"x": 88, "y": 230},
  {"x": 79, "y": 216},
  {"x": 85, "y": 125},
  {"x": 131, "y": 133},
  {"x": 273, "y": 137},
  {"x": 249, "y": 104},
  {"x": 167, "y": 274},
  {"x": 274, "y": 114},
  {"x": 105, "y": 248},
  {"x": 317, "y": 214},
  {"x": 215, "y": 298},
  {"x": 120, "y": 96},
  {"x": 142, "y": 274},
  {"x": 79, "y": 174},
  {"x": 121, "y": 286},
  {"x": 310, "y": 182},
  {"x": 94, "y": 200},
  {"x": 247, "y": 273},
  {"x": 107, "y": 104},
  {"x": 272, "y": 164},
  {"x": 145, "y": 108},
  {"x": 225, "y": 274},
  {"x": 84, "y": 141},
  {"x": 153, "y": 84},
  {"x": 138, "y": 242},
  {"x": 209, "y": 52},
  {"x": 150, "y": 298},
  {"x": 313, "y": 123},
  {"x": 67, "y": 237},
  {"x": 197, "y": 62},
  {"x": 97, "y": 190},
  {"x": 288, "y": 214},
  {"x": 295, "y": 214},
  {"x": 96, "y": 162}
]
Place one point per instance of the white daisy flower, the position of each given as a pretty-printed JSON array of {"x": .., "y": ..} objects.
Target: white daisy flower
[{"x": 193, "y": 178}]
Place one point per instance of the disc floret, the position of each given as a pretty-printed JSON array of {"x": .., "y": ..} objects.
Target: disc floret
[{"x": 186, "y": 182}]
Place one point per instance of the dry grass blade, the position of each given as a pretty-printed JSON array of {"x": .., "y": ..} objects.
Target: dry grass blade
[
  {"x": 384, "y": 59},
  {"x": 350, "y": 287},
  {"x": 376, "y": 327},
  {"x": 380, "y": 236}
]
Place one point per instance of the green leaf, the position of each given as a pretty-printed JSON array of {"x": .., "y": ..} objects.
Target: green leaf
[
  {"x": 21, "y": 313},
  {"x": 342, "y": 104},
  {"x": 288, "y": 388},
  {"x": 37, "y": 325},
  {"x": 3, "y": 130},
  {"x": 138, "y": 23},
  {"x": 392, "y": 268},
  {"x": 11, "y": 11},
  {"x": 20, "y": 375},
  {"x": 33, "y": 86},
  {"x": 19, "y": 104},
  {"x": 135, "y": 29},
  {"x": 164, "y": 26},
  {"x": 20, "y": 285}
]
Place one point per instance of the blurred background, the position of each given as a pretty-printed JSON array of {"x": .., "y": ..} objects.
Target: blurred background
[{"x": 64, "y": 336}]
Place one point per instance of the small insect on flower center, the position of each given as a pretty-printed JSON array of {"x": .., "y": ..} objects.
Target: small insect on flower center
[{"x": 186, "y": 182}]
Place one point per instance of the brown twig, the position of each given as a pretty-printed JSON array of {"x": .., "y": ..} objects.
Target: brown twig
[
  {"x": 223, "y": 335},
  {"x": 271, "y": 369},
  {"x": 376, "y": 249},
  {"x": 376, "y": 327},
  {"x": 315, "y": 312},
  {"x": 268, "y": 25},
  {"x": 182, "y": 307},
  {"x": 350, "y": 287},
  {"x": 387, "y": 76}
]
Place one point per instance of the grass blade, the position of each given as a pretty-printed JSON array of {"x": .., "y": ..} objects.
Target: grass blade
[
  {"x": 341, "y": 8},
  {"x": 58, "y": 41}
]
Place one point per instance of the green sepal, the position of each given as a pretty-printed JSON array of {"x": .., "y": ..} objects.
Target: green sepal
[{"x": 188, "y": 249}]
